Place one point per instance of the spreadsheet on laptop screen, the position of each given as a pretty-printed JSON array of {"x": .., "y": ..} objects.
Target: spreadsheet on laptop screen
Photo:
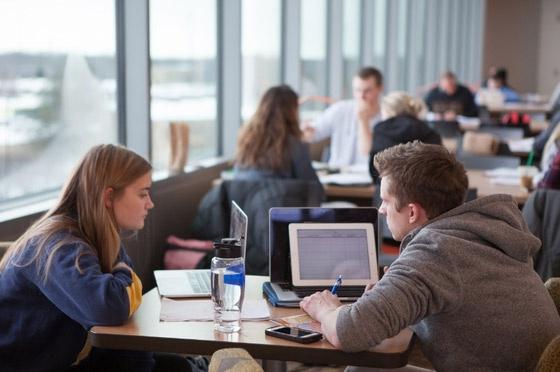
[{"x": 327, "y": 253}]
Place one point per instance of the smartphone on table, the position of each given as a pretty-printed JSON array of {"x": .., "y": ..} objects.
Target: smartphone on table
[{"x": 294, "y": 334}]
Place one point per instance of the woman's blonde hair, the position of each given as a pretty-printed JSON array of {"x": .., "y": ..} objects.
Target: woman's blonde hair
[
  {"x": 263, "y": 140},
  {"x": 400, "y": 103},
  {"x": 554, "y": 136},
  {"x": 81, "y": 209}
]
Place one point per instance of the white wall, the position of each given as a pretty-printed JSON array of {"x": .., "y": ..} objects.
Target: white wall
[{"x": 548, "y": 70}]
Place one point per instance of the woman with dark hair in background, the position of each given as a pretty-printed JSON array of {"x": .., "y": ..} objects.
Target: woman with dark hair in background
[{"x": 269, "y": 144}]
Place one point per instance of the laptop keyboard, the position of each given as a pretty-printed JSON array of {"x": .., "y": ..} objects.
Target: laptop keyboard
[
  {"x": 341, "y": 292},
  {"x": 199, "y": 281}
]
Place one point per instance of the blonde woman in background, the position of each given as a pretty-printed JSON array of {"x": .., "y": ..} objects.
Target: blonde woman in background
[
  {"x": 549, "y": 176},
  {"x": 401, "y": 123}
]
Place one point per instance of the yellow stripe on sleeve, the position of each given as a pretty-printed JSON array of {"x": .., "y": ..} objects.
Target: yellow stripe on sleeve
[{"x": 134, "y": 291}]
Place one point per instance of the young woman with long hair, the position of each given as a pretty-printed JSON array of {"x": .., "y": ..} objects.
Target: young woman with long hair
[
  {"x": 269, "y": 144},
  {"x": 69, "y": 271}
]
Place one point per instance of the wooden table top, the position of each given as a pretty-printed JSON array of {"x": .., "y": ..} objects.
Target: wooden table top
[
  {"x": 477, "y": 179},
  {"x": 144, "y": 331},
  {"x": 529, "y": 108},
  {"x": 484, "y": 187}
]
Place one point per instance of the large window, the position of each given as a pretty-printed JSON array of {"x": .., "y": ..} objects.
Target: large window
[
  {"x": 351, "y": 31},
  {"x": 183, "y": 58},
  {"x": 57, "y": 90},
  {"x": 260, "y": 50},
  {"x": 313, "y": 52}
]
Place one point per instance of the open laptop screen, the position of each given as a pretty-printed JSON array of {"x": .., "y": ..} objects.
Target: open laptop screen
[
  {"x": 281, "y": 218},
  {"x": 320, "y": 252}
]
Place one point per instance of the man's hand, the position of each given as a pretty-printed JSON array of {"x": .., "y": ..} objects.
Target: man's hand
[
  {"x": 320, "y": 304},
  {"x": 369, "y": 286},
  {"x": 366, "y": 112},
  {"x": 449, "y": 116},
  {"x": 308, "y": 131},
  {"x": 324, "y": 307}
]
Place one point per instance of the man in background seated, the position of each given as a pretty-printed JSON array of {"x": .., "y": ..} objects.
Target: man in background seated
[
  {"x": 450, "y": 99},
  {"x": 464, "y": 280},
  {"x": 350, "y": 123},
  {"x": 499, "y": 81}
]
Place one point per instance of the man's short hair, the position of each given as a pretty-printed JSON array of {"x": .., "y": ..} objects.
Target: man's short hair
[
  {"x": 371, "y": 72},
  {"x": 449, "y": 75},
  {"x": 425, "y": 174}
]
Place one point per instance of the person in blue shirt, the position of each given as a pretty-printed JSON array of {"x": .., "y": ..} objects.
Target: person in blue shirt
[
  {"x": 270, "y": 144},
  {"x": 499, "y": 81},
  {"x": 69, "y": 271}
]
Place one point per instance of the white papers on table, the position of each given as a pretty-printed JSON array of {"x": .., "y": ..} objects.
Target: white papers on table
[
  {"x": 203, "y": 310},
  {"x": 505, "y": 181},
  {"x": 521, "y": 145},
  {"x": 504, "y": 176},
  {"x": 503, "y": 172},
  {"x": 355, "y": 168},
  {"x": 346, "y": 179},
  {"x": 510, "y": 176},
  {"x": 468, "y": 123}
]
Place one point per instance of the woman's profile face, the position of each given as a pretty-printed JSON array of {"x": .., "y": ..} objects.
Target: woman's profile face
[{"x": 132, "y": 205}]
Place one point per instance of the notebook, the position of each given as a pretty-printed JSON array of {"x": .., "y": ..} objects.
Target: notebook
[
  {"x": 183, "y": 283},
  {"x": 320, "y": 252}
]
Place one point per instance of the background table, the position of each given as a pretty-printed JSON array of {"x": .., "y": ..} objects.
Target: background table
[
  {"x": 144, "y": 331},
  {"x": 477, "y": 179}
]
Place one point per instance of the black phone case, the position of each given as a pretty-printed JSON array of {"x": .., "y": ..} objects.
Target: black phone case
[{"x": 314, "y": 336}]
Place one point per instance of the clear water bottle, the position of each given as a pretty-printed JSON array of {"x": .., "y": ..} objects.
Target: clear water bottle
[{"x": 228, "y": 285}]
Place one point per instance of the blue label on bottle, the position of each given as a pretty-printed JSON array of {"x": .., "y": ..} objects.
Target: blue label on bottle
[{"x": 235, "y": 275}]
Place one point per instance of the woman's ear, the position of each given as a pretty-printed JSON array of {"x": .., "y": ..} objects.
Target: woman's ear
[{"x": 108, "y": 197}]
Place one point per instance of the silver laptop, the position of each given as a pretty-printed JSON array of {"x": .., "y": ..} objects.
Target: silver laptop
[
  {"x": 196, "y": 283},
  {"x": 183, "y": 283},
  {"x": 238, "y": 222}
]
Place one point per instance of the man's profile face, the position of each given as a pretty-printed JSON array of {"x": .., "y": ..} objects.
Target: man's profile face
[
  {"x": 448, "y": 85},
  {"x": 366, "y": 90},
  {"x": 397, "y": 221}
]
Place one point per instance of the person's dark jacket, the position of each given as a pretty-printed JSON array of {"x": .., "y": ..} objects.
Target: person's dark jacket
[
  {"x": 542, "y": 138},
  {"x": 396, "y": 130},
  {"x": 542, "y": 214},
  {"x": 255, "y": 197},
  {"x": 461, "y": 102}
]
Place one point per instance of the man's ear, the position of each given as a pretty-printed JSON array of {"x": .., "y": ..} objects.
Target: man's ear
[
  {"x": 108, "y": 197},
  {"x": 417, "y": 214}
]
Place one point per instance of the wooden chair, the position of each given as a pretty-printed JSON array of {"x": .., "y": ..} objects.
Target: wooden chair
[
  {"x": 234, "y": 360},
  {"x": 553, "y": 287},
  {"x": 550, "y": 358},
  {"x": 179, "y": 145}
]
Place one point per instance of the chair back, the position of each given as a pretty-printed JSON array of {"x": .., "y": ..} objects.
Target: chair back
[
  {"x": 233, "y": 360},
  {"x": 542, "y": 214},
  {"x": 470, "y": 161},
  {"x": 255, "y": 197},
  {"x": 550, "y": 358}
]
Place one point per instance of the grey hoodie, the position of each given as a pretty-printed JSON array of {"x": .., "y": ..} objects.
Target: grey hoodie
[{"x": 465, "y": 284}]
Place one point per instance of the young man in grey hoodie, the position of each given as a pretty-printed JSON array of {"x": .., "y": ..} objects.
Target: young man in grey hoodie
[{"x": 464, "y": 280}]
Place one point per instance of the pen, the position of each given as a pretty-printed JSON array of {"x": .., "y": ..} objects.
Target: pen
[{"x": 336, "y": 284}]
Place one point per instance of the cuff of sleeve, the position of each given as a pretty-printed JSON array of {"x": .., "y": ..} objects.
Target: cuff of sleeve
[
  {"x": 134, "y": 291},
  {"x": 344, "y": 329}
]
